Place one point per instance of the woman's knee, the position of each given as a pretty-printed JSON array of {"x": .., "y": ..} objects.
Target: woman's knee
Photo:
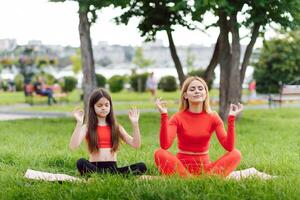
[
  {"x": 236, "y": 154},
  {"x": 161, "y": 153}
]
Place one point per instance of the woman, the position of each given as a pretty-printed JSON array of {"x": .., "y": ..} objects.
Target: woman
[{"x": 194, "y": 125}]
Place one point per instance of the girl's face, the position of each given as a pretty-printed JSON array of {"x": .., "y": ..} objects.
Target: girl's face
[
  {"x": 196, "y": 92},
  {"x": 102, "y": 107}
]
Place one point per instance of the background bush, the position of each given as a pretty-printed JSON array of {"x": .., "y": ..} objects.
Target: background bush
[
  {"x": 100, "y": 80},
  {"x": 116, "y": 83},
  {"x": 167, "y": 84},
  {"x": 68, "y": 84},
  {"x": 134, "y": 79},
  {"x": 19, "y": 81}
]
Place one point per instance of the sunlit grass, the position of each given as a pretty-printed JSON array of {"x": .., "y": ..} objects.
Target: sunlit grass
[{"x": 268, "y": 139}]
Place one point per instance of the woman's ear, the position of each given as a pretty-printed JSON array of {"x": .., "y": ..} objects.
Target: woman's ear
[{"x": 184, "y": 95}]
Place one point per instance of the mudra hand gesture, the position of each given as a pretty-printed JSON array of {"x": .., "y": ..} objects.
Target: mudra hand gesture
[
  {"x": 235, "y": 109},
  {"x": 78, "y": 113},
  {"x": 161, "y": 105},
  {"x": 134, "y": 115}
]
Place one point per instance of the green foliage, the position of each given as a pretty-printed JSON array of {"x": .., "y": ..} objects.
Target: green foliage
[
  {"x": 48, "y": 78},
  {"x": 279, "y": 61},
  {"x": 116, "y": 83},
  {"x": 190, "y": 59},
  {"x": 48, "y": 152},
  {"x": 168, "y": 84},
  {"x": 138, "y": 82},
  {"x": 4, "y": 85},
  {"x": 76, "y": 62},
  {"x": 156, "y": 15},
  {"x": 69, "y": 83},
  {"x": 140, "y": 60},
  {"x": 200, "y": 73},
  {"x": 19, "y": 81},
  {"x": 101, "y": 80}
]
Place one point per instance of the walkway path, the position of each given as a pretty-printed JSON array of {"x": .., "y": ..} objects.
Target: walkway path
[{"x": 11, "y": 112}]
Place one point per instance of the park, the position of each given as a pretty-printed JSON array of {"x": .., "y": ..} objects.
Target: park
[{"x": 49, "y": 96}]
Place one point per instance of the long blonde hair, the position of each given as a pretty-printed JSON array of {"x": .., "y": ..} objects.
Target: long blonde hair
[{"x": 184, "y": 103}]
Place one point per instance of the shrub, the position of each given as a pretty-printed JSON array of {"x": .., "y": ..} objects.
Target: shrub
[
  {"x": 19, "y": 81},
  {"x": 137, "y": 79},
  {"x": 116, "y": 83},
  {"x": 168, "y": 84},
  {"x": 200, "y": 73},
  {"x": 100, "y": 80},
  {"x": 69, "y": 84},
  {"x": 48, "y": 78}
]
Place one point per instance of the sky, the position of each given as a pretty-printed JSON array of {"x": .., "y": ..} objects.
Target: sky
[{"x": 57, "y": 24}]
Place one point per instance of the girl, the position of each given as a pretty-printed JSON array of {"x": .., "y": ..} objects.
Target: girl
[
  {"x": 103, "y": 135},
  {"x": 194, "y": 125}
]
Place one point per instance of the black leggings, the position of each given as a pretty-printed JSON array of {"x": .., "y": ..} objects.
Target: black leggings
[{"x": 84, "y": 167}]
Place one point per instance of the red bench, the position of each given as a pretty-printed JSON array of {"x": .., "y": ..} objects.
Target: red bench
[{"x": 30, "y": 93}]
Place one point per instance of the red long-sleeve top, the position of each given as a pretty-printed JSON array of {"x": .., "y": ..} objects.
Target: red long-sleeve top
[{"x": 194, "y": 131}]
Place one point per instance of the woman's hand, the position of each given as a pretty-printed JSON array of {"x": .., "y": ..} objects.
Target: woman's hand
[
  {"x": 78, "y": 113},
  {"x": 161, "y": 105},
  {"x": 235, "y": 109},
  {"x": 134, "y": 115}
]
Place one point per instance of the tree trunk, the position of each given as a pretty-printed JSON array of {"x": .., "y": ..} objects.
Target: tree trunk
[
  {"x": 224, "y": 60},
  {"x": 89, "y": 78},
  {"x": 234, "y": 91},
  {"x": 248, "y": 52},
  {"x": 209, "y": 72},
  {"x": 175, "y": 58}
]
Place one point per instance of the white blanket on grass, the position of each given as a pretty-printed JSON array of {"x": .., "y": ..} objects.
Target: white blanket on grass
[
  {"x": 38, "y": 175},
  {"x": 236, "y": 175}
]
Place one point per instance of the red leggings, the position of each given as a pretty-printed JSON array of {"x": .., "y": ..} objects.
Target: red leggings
[{"x": 184, "y": 164}]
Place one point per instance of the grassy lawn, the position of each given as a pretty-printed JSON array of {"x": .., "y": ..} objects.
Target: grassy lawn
[
  {"x": 268, "y": 140},
  {"x": 122, "y": 101}
]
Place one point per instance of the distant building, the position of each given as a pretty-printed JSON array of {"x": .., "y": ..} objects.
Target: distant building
[{"x": 8, "y": 44}]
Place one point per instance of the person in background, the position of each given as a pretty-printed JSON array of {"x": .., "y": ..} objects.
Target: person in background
[
  {"x": 41, "y": 88},
  {"x": 151, "y": 85}
]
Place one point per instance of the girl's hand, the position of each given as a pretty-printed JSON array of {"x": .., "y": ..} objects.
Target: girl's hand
[
  {"x": 161, "y": 105},
  {"x": 78, "y": 113},
  {"x": 235, "y": 109},
  {"x": 134, "y": 115}
]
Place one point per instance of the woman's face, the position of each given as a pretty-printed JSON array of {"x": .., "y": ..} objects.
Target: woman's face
[
  {"x": 196, "y": 92},
  {"x": 102, "y": 107}
]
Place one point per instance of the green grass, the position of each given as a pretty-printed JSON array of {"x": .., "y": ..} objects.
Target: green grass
[{"x": 268, "y": 139}]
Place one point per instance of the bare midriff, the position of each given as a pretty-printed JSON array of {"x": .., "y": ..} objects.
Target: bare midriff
[{"x": 103, "y": 155}]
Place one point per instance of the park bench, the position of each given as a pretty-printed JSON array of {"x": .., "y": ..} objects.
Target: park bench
[
  {"x": 286, "y": 93},
  {"x": 30, "y": 94}
]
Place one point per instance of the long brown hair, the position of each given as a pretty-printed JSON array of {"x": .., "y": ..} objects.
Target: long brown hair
[
  {"x": 184, "y": 103},
  {"x": 92, "y": 122}
]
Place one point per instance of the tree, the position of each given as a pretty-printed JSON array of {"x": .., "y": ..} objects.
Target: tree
[
  {"x": 76, "y": 62},
  {"x": 142, "y": 62},
  {"x": 87, "y": 16},
  {"x": 190, "y": 59},
  {"x": 158, "y": 16},
  {"x": 279, "y": 62},
  {"x": 257, "y": 15}
]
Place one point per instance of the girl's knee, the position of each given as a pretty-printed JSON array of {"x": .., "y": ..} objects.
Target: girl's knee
[
  {"x": 81, "y": 163},
  {"x": 142, "y": 167}
]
